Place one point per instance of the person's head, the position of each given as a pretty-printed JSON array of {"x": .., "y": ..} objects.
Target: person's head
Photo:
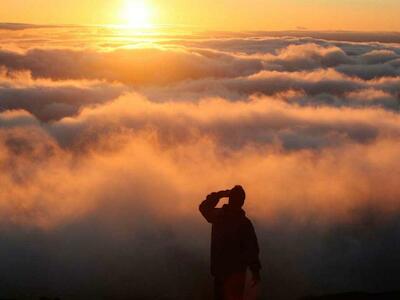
[{"x": 237, "y": 196}]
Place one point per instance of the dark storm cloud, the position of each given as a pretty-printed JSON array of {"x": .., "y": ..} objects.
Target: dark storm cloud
[{"x": 106, "y": 152}]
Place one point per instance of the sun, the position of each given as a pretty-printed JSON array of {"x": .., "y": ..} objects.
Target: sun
[{"x": 136, "y": 14}]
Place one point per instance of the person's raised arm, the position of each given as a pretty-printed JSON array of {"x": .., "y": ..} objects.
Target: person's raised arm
[{"x": 207, "y": 207}]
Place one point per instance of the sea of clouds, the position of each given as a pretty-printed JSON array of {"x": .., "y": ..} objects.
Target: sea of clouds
[{"x": 109, "y": 141}]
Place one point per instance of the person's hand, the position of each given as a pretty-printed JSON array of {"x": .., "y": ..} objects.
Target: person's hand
[
  {"x": 218, "y": 195},
  {"x": 223, "y": 194},
  {"x": 256, "y": 278}
]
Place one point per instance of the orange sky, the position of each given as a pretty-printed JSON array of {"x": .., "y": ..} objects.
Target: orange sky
[{"x": 368, "y": 15}]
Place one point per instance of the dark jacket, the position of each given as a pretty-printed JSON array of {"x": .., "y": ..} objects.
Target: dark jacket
[{"x": 234, "y": 245}]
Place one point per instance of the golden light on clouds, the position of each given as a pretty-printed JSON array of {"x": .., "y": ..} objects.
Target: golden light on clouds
[{"x": 136, "y": 14}]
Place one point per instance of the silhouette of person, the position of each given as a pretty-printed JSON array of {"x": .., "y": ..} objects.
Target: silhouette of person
[{"x": 234, "y": 245}]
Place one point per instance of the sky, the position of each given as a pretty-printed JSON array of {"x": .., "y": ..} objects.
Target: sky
[{"x": 364, "y": 15}]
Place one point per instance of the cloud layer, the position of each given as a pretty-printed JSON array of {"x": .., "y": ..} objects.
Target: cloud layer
[{"x": 109, "y": 141}]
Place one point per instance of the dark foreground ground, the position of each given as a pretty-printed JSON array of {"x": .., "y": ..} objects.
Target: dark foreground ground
[
  {"x": 395, "y": 295},
  {"x": 358, "y": 296}
]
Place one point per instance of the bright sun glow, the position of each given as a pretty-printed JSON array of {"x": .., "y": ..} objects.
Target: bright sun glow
[{"x": 137, "y": 14}]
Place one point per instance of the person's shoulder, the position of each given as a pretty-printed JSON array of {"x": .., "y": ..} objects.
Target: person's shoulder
[{"x": 247, "y": 221}]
